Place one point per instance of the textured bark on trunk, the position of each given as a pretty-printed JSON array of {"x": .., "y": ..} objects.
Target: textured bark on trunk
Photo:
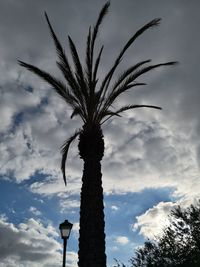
[{"x": 91, "y": 235}]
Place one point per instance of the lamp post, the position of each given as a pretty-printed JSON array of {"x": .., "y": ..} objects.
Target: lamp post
[{"x": 65, "y": 229}]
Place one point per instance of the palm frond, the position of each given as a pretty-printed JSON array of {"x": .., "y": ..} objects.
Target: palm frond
[
  {"x": 75, "y": 88},
  {"x": 76, "y": 59},
  {"x": 123, "y": 88},
  {"x": 97, "y": 65},
  {"x": 77, "y": 111},
  {"x": 88, "y": 58},
  {"x": 68, "y": 74},
  {"x": 113, "y": 95},
  {"x": 109, "y": 113},
  {"x": 129, "y": 82},
  {"x": 125, "y": 108},
  {"x": 60, "y": 51},
  {"x": 71, "y": 80},
  {"x": 64, "y": 151},
  {"x": 126, "y": 73},
  {"x": 152, "y": 23},
  {"x": 90, "y": 49},
  {"x": 57, "y": 85},
  {"x": 94, "y": 99},
  {"x": 56, "y": 41},
  {"x": 79, "y": 70},
  {"x": 108, "y": 77},
  {"x": 146, "y": 69},
  {"x": 102, "y": 14},
  {"x": 97, "y": 101}
]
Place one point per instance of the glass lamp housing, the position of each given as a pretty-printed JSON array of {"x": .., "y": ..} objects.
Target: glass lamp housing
[{"x": 65, "y": 229}]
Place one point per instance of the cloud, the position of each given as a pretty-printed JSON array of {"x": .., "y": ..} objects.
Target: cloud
[
  {"x": 146, "y": 148},
  {"x": 28, "y": 147},
  {"x": 115, "y": 208},
  {"x": 76, "y": 227},
  {"x": 53, "y": 185},
  {"x": 35, "y": 211},
  {"x": 72, "y": 259},
  {"x": 151, "y": 223},
  {"x": 23, "y": 101},
  {"x": 29, "y": 243},
  {"x": 69, "y": 205},
  {"x": 122, "y": 240}
]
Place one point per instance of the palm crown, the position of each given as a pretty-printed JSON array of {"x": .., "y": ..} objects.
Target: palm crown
[{"x": 92, "y": 102}]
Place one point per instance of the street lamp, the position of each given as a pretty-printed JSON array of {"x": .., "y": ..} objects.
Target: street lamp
[{"x": 65, "y": 229}]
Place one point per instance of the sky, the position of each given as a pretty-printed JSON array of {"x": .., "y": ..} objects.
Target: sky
[{"x": 151, "y": 162}]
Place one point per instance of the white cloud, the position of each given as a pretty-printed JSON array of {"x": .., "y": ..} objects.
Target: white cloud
[
  {"x": 75, "y": 230},
  {"x": 28, "y": 244},
  {"x": 114, "y": 248},
  {"x": 76, "y": 227},
  {"x": 31, "y": 244},
  {"x": 151, "y": 223},
  {"x": 115, "y": 208},
  {"x": 144, "y": 149},
  {"x": 55, "y": 185},
  {"x": 35, "y": 211},
  {"x": 68, "y": 204},
  {"x": 122, "y": 240},
  {"x": 72, "y": 259},
  {"x": 3, "y": 217},
  {"x": 23, "y": 100}
]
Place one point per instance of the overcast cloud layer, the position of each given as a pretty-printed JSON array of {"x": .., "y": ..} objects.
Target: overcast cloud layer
[{"x": 145, "y": 149}]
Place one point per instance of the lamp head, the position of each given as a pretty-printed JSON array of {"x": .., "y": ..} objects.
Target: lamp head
[{"x": 65, "y": 229}]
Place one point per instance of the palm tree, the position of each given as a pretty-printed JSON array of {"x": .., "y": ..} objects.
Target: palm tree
[{"x": 93, "y": 103}]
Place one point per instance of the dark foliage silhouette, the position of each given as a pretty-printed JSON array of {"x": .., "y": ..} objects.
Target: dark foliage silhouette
[
  {"x": 93, "y": 102},
  {"x": 178, "y": 245}
]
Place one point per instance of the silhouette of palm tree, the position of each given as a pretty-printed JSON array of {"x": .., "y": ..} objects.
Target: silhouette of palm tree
[{"x": 93, "y": 103}]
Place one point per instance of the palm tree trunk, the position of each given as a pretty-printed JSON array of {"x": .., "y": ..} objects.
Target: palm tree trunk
[{"x": 92, "y": 237}]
